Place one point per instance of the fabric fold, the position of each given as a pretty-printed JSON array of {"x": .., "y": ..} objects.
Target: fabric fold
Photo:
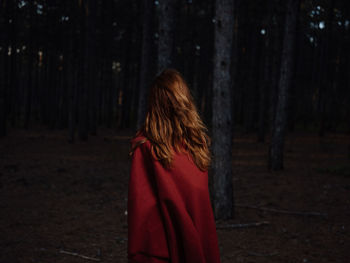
[{"x": 170, "y": 217}]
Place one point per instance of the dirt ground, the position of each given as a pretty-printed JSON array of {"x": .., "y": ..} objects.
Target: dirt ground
[{"x": 63, "y": 202}]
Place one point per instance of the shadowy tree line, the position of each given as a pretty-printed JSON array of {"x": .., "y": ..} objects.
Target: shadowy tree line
[{"x": 266, "y": 67}]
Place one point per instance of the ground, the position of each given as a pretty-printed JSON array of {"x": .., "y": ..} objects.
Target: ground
[{"x": 61, "y": 202}]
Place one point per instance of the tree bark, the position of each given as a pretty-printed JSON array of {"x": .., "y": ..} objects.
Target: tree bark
[
  {"x": 13, "y": 78},
  {"x": 4, "y": 69},
  {"x": 145, "y": 70},
  {"x": 251, "y": 89},
  {"x": 166, "y": 28},
  {"x": 263, "y": 88},
  {"x": 29, "y": 85},
  {"x": 326, "y": 72},
  {"x": 275, "y": 64},
  {"x": 83, "y": 99},
  {"x": 222, "y": 119},
  {"x": 280, "y": 121},
  {"x": 71, "y": 74},
  {"x": 91, "y": 59},
  {"x": 108, "y": 79}
]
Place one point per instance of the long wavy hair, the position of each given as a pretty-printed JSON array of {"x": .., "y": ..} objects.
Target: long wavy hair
[{"x": 172, "y": 122}]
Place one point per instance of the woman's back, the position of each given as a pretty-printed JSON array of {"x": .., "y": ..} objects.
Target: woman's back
[
  {"x": 175, "y": 204},
  {"x": 170, "y": 217}
]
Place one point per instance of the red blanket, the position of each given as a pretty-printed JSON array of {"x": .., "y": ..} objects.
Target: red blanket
[{"x": 170, "y": 218}]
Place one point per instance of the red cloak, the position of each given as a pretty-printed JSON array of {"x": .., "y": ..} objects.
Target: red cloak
[{"x": 170, "y": 217}]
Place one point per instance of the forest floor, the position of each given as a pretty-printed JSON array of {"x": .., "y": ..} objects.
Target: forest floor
[{"x": 63, "y": 202}]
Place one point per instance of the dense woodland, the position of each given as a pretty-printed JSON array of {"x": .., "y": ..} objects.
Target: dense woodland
[
  {"x": 77, "y": 64},
  {"x": 262, "y": 67},
  {"x": 271, "y": 80}
]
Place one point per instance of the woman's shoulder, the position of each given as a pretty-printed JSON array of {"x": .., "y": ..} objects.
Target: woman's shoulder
[{"x": 139, "y": 139}]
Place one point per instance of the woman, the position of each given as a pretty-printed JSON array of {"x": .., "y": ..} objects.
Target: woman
[{"x": 170, "y": 218}]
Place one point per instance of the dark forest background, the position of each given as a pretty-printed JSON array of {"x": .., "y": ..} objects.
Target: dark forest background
[
  {"x": 271, "y": 80},
  {"x": 76, "y": 64}
]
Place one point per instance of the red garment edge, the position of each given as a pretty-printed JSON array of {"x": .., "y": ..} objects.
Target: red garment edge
[{"x": 170, "y": 217}]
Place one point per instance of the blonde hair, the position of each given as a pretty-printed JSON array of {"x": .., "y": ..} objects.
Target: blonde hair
[{"x": 172, "y": 122}]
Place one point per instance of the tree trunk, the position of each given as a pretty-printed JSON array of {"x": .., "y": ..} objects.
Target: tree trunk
[
  {"x": 91, "y": 59},
  {"x": 129, "y": 68},
  {"x": 326, "y": 72},
  {"x": 263, "y": 88},
  {"x": 222, "y": 119},
  {"x": 251, "y": 89},
  {"x": 13, "y": 78},
  {"x": 83, "y": 99},
  {"x": 145, "y": 70},
  {"x": 166, "y": 26},
  {"x": 280, "y": 121},
  {"x": 72, "y": 99},
  {"x": 29, "y": 85},
  {"x": 70, "y": 68},
  {"x": 265, "y": 72},
  {"x": 4, "y": 70},
  {"x": 275, "y": 65},
  {"x": 108, "y": 80}
]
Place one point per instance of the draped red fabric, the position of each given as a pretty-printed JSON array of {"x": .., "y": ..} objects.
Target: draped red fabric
[{"x": 170, "y": 217}]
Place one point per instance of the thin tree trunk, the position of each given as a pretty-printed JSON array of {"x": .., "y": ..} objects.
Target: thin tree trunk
[
  {"x": 70, "y": 67},
  {"x": 263, "y": 88},
  {"x": 4, "y": 109},
  {"x": 29, "y": 84},
  {"x": 278, "y": 133},
  {"x": 83, "y": 100},
  {"x": 166, "y": 24},
  {"x": 3, "y": 86},
  {"x": 234, "y": 67},
  {"x": 108, "y": 79},
  {"x": 251, "y": 89},
  {"x": 326, "y": 72},
  {"x": 145, "y": 70},
  {"x": 129, "y": 58},
  {"x": 50, "y": 84},
  {"x": 275, "y": 67},
  {"x": 91, "y": 40},
  {"x": 29, "y": 87},
  {"x": 72, "y": 101},
  {"x": 222, "y": 119},
  {"x": 266, "y": 70},
  {"x": 13, "y": 78}
]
